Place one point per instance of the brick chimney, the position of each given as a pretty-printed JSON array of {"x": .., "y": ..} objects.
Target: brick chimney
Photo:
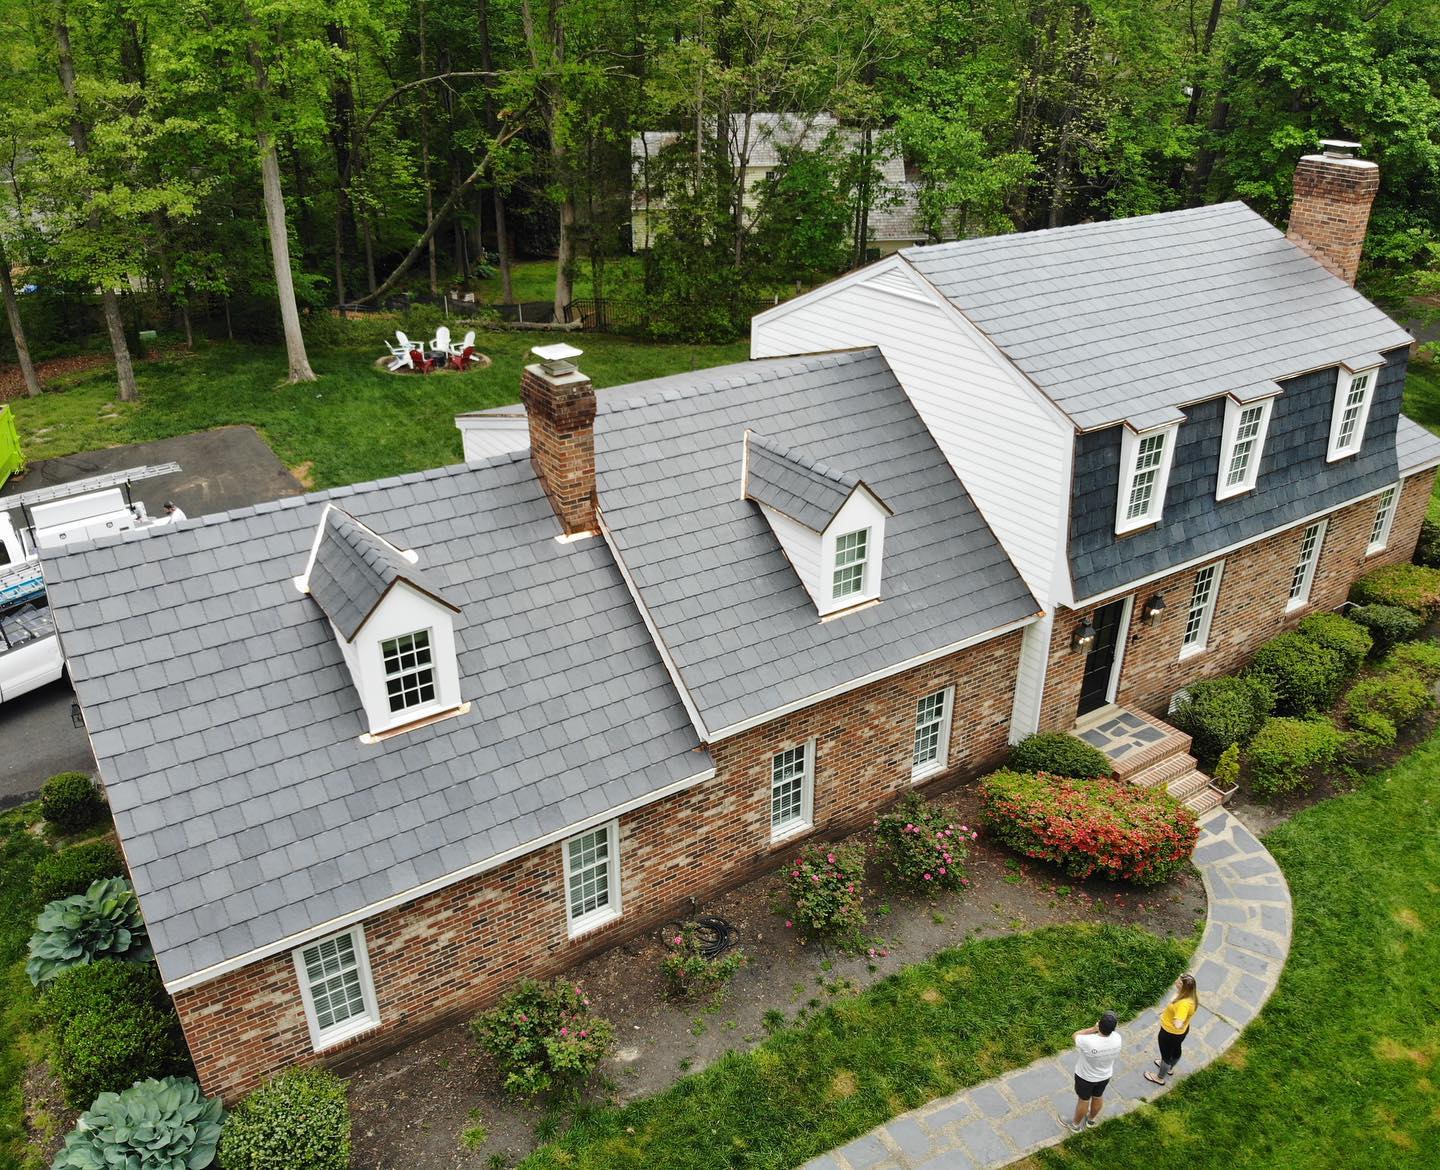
[
  {"x": 560, "y": 404},
  {"x": 1333, "y": 193}
]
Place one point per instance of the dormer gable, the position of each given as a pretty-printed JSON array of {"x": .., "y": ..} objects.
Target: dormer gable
[
  {"x": 829, "y": 523},
  {"x": 395, "y": 628}
]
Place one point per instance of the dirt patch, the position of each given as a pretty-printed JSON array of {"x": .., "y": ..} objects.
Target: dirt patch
[
  {"x": 12, "y": 381},
  {"x": 47, "y": 1118},
  {"x": 304, "y": 474},
  {"x": 411, "y": 1107}
]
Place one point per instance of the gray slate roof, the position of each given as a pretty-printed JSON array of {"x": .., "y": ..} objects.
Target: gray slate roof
[
  {"x": 794, "y": 484},
  {"x": 227, "y": 727},
  {"x": 729, "y": 607},
  {"x": 354, "y": 568},
  {"x": 1415, "y": 447},
  {"x": 1133, "y": 318}
]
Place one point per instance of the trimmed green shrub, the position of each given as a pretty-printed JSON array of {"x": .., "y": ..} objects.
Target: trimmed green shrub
[
  {"x": 298, "y": 1121},
  {"x": 153, "y": 1125},
  {"x": 543, "y": 1036},
  {"x": 1348, "y": 639},
  {"x": 1399, "y": 694},
  {"x": 1427, "y": 549},
  {"x": 71, "y": 802},
  {"x": 102, "y": 923},
  {"x": 1285, "y": 753},
  {"x": 920, "y": 847},
  {"x": 1227, "y": 768},
  {"x": 1412, "y": 587},
  {"x": 111, "y": 1025},
  {"x": 1389, "y": 625},
  {"x": 71, "y": 871},
  {"x": 689, "y": 972},
  {"x": 1305, "y": 676},
  {"x": 1217, "y": 712},
  {"x": 1090, "y": 828},
  {"x": 1060, "y": 754},
  {"x": 1421, "y": 657}
]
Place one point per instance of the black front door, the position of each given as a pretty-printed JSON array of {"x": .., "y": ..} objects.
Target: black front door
[{"x": 1095, "y": 684}]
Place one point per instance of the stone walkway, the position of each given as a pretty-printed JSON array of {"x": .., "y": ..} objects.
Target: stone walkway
[{"x": 1237, "y": 964}]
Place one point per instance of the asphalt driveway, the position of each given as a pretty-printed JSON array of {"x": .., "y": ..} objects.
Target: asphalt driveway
[{"x": 222, "y": 469}]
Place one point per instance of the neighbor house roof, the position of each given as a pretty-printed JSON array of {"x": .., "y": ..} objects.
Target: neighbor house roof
[
  {"x": 1133, "y": 318},
  {"x": 227, "y": 727},
  {"x": 793, "y": 484},
  {"x": 1415, "y": 447},
  {"x": 737, "y": 624}
]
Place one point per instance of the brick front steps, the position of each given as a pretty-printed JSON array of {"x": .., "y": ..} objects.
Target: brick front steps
[{"x": 1149, "y": 752}]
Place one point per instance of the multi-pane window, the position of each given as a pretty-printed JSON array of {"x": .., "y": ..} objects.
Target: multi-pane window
[
  {"x": 1245, "y": 446},
  {"x": 790, "y": 789},
  {"x": 850, "y": 553},
  {"x": 1353, "y": 393},
  {"x": 409, "y": 671},
  {"x": 1304, "y": 573},
  {"x": 1384, "y": 517},
  {"x": 1202, "y": 608},
  {"x": 335, "y": 979},
  {"x": 932, "y": 733},
  {"x": 591, "y": 879},
  {"x": 1149, "y": 455}
]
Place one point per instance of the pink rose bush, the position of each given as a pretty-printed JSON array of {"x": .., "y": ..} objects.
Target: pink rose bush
[
  {"x": 826, "y": 885},
  {"x": 921, "y": 847},
  {"x": 688, "y": 973},
  {"x": 543, "y": 1037}
]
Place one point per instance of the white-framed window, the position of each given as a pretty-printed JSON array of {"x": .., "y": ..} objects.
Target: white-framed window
[
  {"x": 932, "y": 733},
  {"x": 852, "y": 551},
  {"x": 1384, "y": 518},
  {"x": 1203, "y": 597},
  {"x": 1310, "y": 541},
  {"x": 592, "y": 877},
  {"x": 409, "y": 671},
  {"x": 1353, "y": 394},
  {"x": 792, "y": 789},
  {"x": 336, "y": 987},
  {"x": 1144, "y": 473},
  {"x": 1241, "y": 446}
]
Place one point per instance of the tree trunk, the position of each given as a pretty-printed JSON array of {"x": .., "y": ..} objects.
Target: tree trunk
[
  {"x": 369, "y": 253},
  {"x": 300, "y": 370},
  {"x": 502, "y": 233},
  {"x": 502, "y": 248},
  {"x": 17, "y": 327},
  {"x": 565, "y": 257},
  {"x": 425, "y": 164}
]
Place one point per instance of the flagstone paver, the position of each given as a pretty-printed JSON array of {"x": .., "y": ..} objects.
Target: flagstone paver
[{"x": 1237, "y": 964}]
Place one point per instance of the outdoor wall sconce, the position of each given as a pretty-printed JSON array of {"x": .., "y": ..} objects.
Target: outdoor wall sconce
[
  {"x": 1154, "y": 609},
  {"x": 1083, "y": 638}
]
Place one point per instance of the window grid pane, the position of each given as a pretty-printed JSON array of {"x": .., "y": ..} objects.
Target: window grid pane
[
  {"x": 1200, "y": 601},
  {"x": 1350, "y": 416},
  {"x": 929, "y": 725},
  {"x": 787, "y": 787},
  {"x": 1148, "y": 456},
  {"x": 1246, "y": 434},
  {"x": 1380, "y": 530},
  {"x": 409, "y": 670},
  {"x": 333, "y": 972},
  {"x": 1309, "y": 548},
  {"x": 850, "y": 553},
  {"x": 589, "y": 872}
]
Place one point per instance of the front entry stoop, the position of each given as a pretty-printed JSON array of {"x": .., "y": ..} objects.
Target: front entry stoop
[{"x": 1149, "y": 753}]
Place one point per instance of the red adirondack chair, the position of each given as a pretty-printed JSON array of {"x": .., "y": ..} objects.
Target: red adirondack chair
[
  {"x": 465, "y": 355},
  {"x": 422, "y": 363}
]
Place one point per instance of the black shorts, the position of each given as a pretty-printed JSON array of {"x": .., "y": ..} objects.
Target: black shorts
[{"x": 1086, "y": 1089}]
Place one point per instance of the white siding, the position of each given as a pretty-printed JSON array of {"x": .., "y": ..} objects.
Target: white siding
[
  {"x": 1009, "y": 446},
  {"x": 1030, "y": 678},
  {"x": 802, "y": 547},
  {"x": 487, "y": 437}
]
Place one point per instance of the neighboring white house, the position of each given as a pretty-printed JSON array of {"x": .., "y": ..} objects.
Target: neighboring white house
[{"x": 756, "y": 143}]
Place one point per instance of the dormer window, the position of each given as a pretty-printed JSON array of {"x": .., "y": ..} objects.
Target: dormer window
[
  {"x": 850, "y": 554},
  {"x": 409, "y": 671},
  {"x": 1354, "y": 392},
  {"x": 1242, "y": 446},
  {"x": 1144, "y": 472}
]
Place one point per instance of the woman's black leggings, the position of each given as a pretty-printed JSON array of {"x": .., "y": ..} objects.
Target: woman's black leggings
[{"x": 1170, "y": 1045}]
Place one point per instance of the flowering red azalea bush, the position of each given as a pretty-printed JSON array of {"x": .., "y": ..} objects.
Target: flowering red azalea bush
[
  {"x": 1090, "y": 828},
  {"x": 826, "y": 884},
  {"x": 921, "y": 847},
  {"x": 543, "y": 1036}
]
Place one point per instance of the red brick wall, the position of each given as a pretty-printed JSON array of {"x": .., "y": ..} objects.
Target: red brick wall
[
  {"x": 452, "y": 952},
  {"x": 1332, "y": 210},
  {"x": 1254, "y": 588},
  {"x": 561, "y": 410}
]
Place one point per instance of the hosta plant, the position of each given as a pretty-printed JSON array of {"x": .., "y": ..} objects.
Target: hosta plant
[
  {"x": 102, "y": 923},
  {"x": 153, "y": 1125}
]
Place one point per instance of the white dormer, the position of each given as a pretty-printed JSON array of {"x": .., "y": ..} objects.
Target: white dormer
[
  {"x": 396, "y": 631},
  {"x": 829, "y": 523}
]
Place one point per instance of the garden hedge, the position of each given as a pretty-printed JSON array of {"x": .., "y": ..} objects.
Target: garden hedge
[
  {"x": 299, "y": 1119},
  {"x": 1421, "y": 657},
  {"x": 1305, "y": 675},
  {"x": 1399, "y": 693},
  {"x": 1218, "y": 712},
  {"x": 71, "y": 802},
  {"x": 1389, "y": 625},
  {"x": 1090, "y": 828},
  {"x": 1352, "y": 641},
  {"x": 1060, "y": 754},
  {"x": 1427, "y": 548},
  {"x": 1412, "y": 587},
  {"x": 1286, "y": 753},
  {"x": 71, "y": 871}
]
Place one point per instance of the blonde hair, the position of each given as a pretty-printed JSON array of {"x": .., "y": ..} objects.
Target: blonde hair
[{"x": 1188, "y": 989}]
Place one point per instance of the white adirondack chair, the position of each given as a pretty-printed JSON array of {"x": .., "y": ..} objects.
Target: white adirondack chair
[
  {"x": 441, "y": 341},
  {"x": 457, "y": 349},
  {"x": 400, "y": 353}
]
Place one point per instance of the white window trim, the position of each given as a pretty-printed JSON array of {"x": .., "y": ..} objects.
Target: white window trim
[
  {"x": 806, "y": 820},
  {"x": 598, "y": 917},
  {"x": 1202, "y": 640},
  {"x": 419, "y": 710},
  {"x": 329, "y": 1037},
  {"x": 1233, "y": 412},
  {"x": 1381, "y": 539},
  {"x": 1302, "y": 599},
  {"x": 942, "y": 761},
  {"x": 1129, "y": 452},
  {"x": 864, "y": 592},
  {"x": 1343, "y": 380}
]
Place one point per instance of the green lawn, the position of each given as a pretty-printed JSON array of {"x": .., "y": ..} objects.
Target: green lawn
[
  {"x": 1422, "y": 403},
  {"x": 1341, "y": 1068},
  {"x": 356, "y": 423},
  {"x": 967, "y": 1015}
]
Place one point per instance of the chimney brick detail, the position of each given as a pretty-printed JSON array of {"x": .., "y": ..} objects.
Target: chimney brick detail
[
  {"x": 1332, "y": 210},
  {"x": 561, "y": 410}
]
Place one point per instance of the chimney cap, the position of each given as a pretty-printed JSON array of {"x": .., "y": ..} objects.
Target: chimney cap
[
  {"x": 557, "y": 359},
  {"x": 1339, "y": 148}
]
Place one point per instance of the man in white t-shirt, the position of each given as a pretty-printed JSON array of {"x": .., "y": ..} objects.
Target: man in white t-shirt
[{"x": 1098, "y": 1047}]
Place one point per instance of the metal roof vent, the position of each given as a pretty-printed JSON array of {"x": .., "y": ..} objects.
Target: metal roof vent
[
  {"x": 557, "y": 359},
  {"x": 1338, "y": 148}
]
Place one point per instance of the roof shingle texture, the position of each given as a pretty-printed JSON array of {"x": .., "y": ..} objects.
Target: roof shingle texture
[
  {"x": 1415, "y": 447},
  {"x": 1134, "y": 318},
  {"x": 731, "y": 610},
  {"x": 795, "y": 485},
  {"x": 227, "y": 726}
]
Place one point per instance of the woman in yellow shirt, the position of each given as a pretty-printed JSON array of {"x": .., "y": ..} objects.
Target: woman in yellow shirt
[{"x": 1174, "y": 1024}]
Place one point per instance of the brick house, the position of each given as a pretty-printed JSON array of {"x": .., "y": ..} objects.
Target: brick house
[{"x": 375, "y": 753}]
